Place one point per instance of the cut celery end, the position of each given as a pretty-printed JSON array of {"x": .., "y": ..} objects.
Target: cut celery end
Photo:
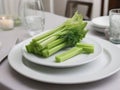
[
  {"x": 87, "y": 48},
  {"x": 45, "y": 53},
  {"x": 84, "y": 45}
]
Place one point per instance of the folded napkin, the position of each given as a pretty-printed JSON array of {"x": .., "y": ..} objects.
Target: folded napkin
[{"x": 8, "y": 40}]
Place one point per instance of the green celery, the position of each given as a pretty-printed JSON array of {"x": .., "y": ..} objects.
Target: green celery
[
  {"x": 49, "y": 52},
  {"x": 47, "y": 37},
  {"x": 68, "y": 54},
  {"x": 54, "y": 43},
  {"x": 87, "y": 48},
  {"x": 29, "y": 48},
  {"x": 45, "y": 53},
  {"x": 66, "y": 35},
  {"x": 48, "y": 33},
  {"x": 44, "y": 43}
]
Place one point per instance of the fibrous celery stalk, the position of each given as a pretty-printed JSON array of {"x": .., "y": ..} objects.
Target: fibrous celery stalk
[{"x": 66, "y": 35}]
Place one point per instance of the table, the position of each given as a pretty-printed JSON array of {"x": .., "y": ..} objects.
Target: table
[{"x": 10, "y": 79}]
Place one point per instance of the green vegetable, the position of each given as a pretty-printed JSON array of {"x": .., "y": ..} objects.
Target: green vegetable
[
  {"x": 79, "y": 48},
  {"x": 68, "y": 54},
  {"x": 54, "y": 43},
  {"x": 66, "y": 35},
  {"x": 87, "y": 48},
  {"x": 49, "y": 52}
]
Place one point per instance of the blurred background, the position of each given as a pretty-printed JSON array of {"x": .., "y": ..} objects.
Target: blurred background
[{"x": 99, "y": 7}]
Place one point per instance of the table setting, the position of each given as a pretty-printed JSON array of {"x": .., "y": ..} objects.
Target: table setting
[{"x": 94, "y": 70}]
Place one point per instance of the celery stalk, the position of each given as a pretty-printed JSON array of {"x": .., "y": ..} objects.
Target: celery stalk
[
  {"x": 67, "y": 34},
  {"x": 57, "y": 48},
  {"x": 47, "y": 37},
  {"x": 48, "y": 33},
  {"x": 68, "y": 54},
  {"x": 54, "y": 43},
  {"x": 87, "y": 48},
  {"x": 49, "y": 52},
  {"x": 44, "y": 43}
]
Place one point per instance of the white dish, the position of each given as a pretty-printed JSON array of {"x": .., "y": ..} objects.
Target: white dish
[
  {"x": 101, "y": 22},
  {"x": 101, "y": 30},
  {"x": 102, "y": 67},
  {"x": 74, "y": 61}
]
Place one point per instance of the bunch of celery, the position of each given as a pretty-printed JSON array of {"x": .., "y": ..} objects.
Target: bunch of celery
[{"x": 68, "y": 34}]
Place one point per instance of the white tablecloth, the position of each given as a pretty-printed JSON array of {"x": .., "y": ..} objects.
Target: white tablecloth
[{"x": 10, "y": 79}]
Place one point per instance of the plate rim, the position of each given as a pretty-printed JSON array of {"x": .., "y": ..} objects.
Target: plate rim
[
  {"x": 60, "y": 65},
  {"x": 11, "y": 62}
]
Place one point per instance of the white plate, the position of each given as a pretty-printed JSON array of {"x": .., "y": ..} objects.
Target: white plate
[
  {"x": 101, "y": 22},
  {"x": 106, "y": 65},
  {"x": 74, "y": 61},
  {"x": 101, "y": 30}
]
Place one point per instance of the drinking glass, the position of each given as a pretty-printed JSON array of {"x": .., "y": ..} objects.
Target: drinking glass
[
  {"x": 114, "y": 33},
  {"x": 34, "y": 16}
]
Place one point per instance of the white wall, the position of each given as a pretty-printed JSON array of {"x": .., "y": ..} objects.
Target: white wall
[
  {"x": 96, "y": 8},
  {"x": 1, "y": 5},
  {"x": 106, "y": 7},
  {"x": 46, "y": 5},
  {"x": 60, "y": 7},
  {"x": 9, "y": 7}
]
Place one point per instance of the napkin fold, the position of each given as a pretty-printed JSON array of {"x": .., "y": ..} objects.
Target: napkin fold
[{"x": 8, "y": 40}]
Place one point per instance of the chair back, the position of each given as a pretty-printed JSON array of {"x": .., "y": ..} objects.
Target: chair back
[{"x": 72, "y": 7}]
